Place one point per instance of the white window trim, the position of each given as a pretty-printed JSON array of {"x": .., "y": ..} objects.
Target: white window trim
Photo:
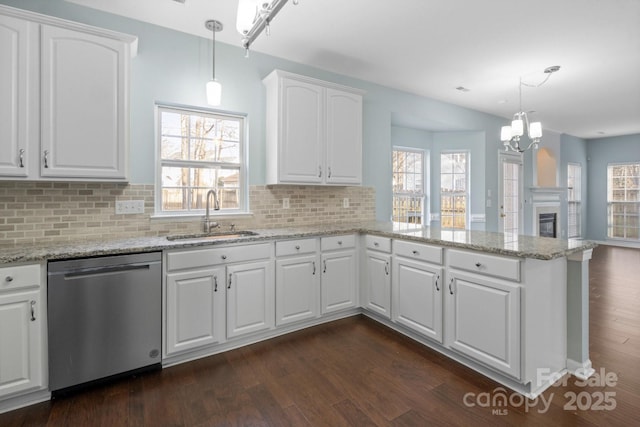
[
  {"x": 578, "y": 201},
  {"x": 243, "y": 210},
  {"x": 468, "y": 186},
  {"x": 425, "y": 220},
  {"x": 620, "y": 239}
]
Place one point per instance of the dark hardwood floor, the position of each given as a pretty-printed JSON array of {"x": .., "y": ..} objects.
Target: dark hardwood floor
[{"x": 355, "y": 372}]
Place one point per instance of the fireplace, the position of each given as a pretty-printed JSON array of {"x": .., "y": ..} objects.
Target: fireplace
[{"x": 547, "y": 224}]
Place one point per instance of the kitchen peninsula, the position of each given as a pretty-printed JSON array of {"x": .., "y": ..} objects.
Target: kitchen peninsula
[{"x": 515, "y": 310}]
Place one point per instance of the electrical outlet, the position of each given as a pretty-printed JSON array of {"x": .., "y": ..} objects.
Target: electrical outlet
[
  {"x": 285, "y": 203},
  {"x": 345, "y": 202},
  {"x": 129, "y": 207}
]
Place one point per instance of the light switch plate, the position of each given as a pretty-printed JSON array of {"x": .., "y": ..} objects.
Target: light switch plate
[
  {"x": 129, "y": 207},
  {"x": 345, "y": 202},
  {"x": 285, "y": 203}
]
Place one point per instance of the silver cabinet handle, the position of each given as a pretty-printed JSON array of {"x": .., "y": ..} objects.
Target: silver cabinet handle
[
  {"x": 324, "y": 270},
  {"x": 33, "y": 311},
  {"x": 329, "y": 176},
  {"x": 451, "y": 283},
  {"x": 298, "y": 247},
  {"x": 229, "y": 287},
  {"x": 8, "y": 279},
  {"x": 46, "y": 159},
  {"x": 223, "y": 257},
  {"x": 319, "y": 171},
  {"x": 314, "y": 268},
  {"x": 215, "y": 283},
  {"x": 386, "y": 268},
  {"x": 437, "y": 278},
  {"x": 21, "y": 157}
]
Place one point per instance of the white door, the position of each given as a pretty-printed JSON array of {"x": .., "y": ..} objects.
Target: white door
[
  {"x": 338, "y": 281},
  {"x": 343, "y": 137},
  {"x": 417, "y": 297},
  {"x": 20, "y": 342},
  {"x": 250, "y": 298},
  {"x": 484, "y": 320},
  {"x": 195, "y": 309},
  {"x": 511, "y": 189},
  {"x": 17, "y": 91},
  {"x": 378, "y": 292},
  {"x": 84, "y": 105},
  {"x": 301, "y": 144},
  {"x": 297, "y": 289}
]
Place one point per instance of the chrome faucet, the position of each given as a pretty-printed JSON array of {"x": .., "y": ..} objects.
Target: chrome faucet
[{"x": 208, "y": 224}]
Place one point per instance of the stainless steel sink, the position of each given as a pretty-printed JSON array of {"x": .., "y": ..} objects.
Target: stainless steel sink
[{"x": 213, "y": 236}]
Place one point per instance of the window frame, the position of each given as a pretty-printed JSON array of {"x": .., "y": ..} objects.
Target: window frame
[
  {"x": 575, "y": 200},
  {"x": 610, "y": 204},
  {"x": 243, "y": 184},
  {"x": 424, "y": 196},
  {"x": 466, "y": 194}
]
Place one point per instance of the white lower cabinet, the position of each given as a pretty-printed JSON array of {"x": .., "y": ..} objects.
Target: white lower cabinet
[
  {"x": 378, "y": 283},
  {"x": 339, "y": 264},
  {"x": 213, "y": 294},
  {"x": 195, "y": 309},
  {"x": 22, "y": 330},
  {"x": 417, "y": 296},
  {"x": 297, "y": 289},
  {"x": 250, "y": 298},
  {"x": 483, "y": 317}
]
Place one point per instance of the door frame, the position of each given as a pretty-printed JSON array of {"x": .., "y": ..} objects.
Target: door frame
[{"x": 516, "y": 158}]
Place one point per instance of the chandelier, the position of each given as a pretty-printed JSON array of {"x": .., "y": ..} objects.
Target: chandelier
[
  {"x": 255, "y": 16},
  {"x": 510, "y": 135}
]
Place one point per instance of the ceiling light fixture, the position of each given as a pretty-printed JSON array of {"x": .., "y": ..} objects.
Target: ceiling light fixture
[
  {"x": 214, "y": 88},
  {"x": 255, "y": 16},
  {"x": 510, "y": 135}
]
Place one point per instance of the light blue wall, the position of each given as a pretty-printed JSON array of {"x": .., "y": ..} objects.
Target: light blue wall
[
  {"x": 172, "y": 67},
  {"x": 600, "y": 153}
]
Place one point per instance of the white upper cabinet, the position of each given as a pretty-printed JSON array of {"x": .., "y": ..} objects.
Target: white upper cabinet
[
  {"x": 64, "y": 89},
  {"x": 314, "y": 131}
]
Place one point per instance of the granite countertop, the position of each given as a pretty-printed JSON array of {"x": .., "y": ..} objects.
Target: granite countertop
[{"x": 490, "y": 242}]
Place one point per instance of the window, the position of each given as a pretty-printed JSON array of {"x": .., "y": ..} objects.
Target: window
[
  {"x": 574, "y": 196},
  {"x": 199, "y": 151},
  {"x": 623, "y": 201},
  {"x": 453, "y": 189},
  {"x": 408, "y": 186}
]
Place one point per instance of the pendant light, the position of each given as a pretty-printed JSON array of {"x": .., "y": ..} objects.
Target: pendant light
[{"x": 214, "y": 88}]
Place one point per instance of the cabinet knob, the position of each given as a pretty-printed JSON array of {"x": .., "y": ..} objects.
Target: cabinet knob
[
  {"x": 297, "y": 247},
  {"x": 478, "y": 265},
  {"x": 339, "y": 242},
  {"x": 223, "y": 257},
  {"x": 8, "y": 279},
  {"x": 376, "y": 244},
  {"x": 415, "y": 252}
]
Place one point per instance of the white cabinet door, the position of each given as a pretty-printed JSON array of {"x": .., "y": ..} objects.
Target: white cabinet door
[
  {"x": 301, "y": 133},
  {"x": 250, "y": 298},
  {"x": 18, "y": 41},
  {"x": 417, "y": 297},
  {"x": 343, "y": 137},
  {"x": 21, "y": 349},
  {"x": 484, "y": 321},
  {"x": 84, "y": 106},
  {"x": 195, "y": 315},
  {"x": 297, "y": 289},
  {"x": 338, "y": 280},
  {"x": 378, "y": 283}
]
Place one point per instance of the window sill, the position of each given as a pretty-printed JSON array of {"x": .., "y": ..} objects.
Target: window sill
[{"x": 191, "y": 217}]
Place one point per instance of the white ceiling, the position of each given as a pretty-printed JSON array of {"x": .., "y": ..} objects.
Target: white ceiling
[{"x": 430, "y": 47}]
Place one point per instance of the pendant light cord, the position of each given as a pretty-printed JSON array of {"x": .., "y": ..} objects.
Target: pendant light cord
[{"x": 213, "y": 59}]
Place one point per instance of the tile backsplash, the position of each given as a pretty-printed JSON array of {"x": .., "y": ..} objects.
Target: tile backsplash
[{"x": 38, "y": 212}]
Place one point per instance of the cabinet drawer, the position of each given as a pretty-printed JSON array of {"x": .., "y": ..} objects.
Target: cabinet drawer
[
  {"x": 295, "y": 247},
  {"x": 20, "y": 277},
  {"x": 193, "y": 258},
  {"x": 377, "y": 243},
  {"x": 506, "y": 268},
  {"x": 418, "y": 251},
  {"x": 337, "y": 242}
]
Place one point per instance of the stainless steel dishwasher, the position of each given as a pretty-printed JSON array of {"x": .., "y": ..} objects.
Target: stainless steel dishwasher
[{"x": 104, "y": 317}]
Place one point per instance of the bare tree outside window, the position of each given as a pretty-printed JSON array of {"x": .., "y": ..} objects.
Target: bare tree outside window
[
  {"x": 199, "y": 151},
  {"x": 454, "y": 169},
  {"x": 408, "y": 186},
  {"x": 623, "y": 201}
]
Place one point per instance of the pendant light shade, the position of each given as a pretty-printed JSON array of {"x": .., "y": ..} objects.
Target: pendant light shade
[{"x": 214, "y": 88}]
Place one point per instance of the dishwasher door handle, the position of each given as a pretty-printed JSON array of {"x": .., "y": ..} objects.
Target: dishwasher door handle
[{"x": 104, "y": 271}]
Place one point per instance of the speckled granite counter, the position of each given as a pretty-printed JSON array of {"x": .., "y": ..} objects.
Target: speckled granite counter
[{"x": 497, "y": 243}]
